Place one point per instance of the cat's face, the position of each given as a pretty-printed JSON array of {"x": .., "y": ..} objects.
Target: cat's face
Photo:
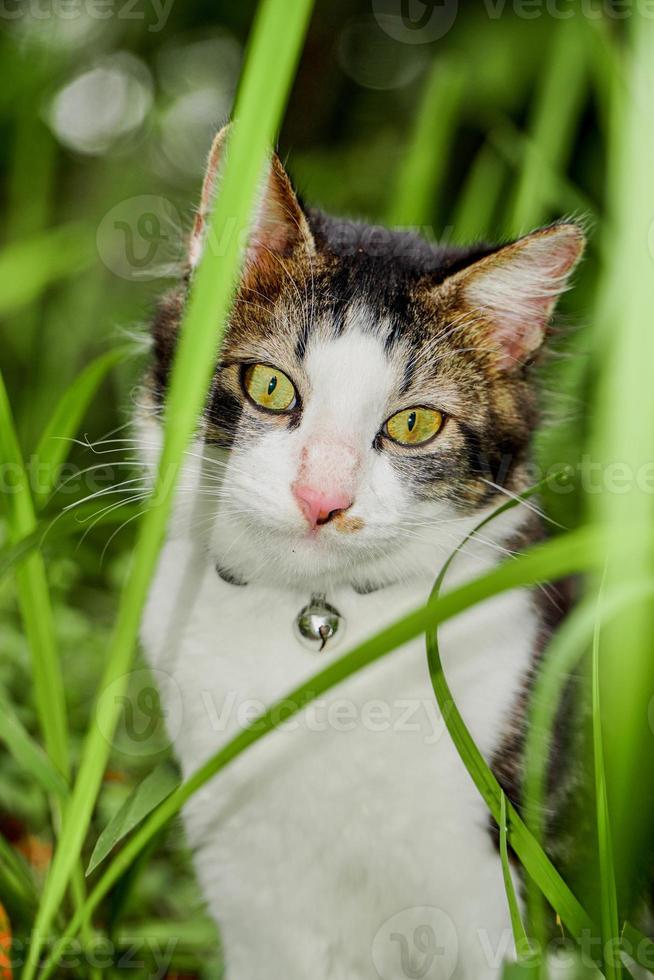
[{"x": 372, "y": 395}]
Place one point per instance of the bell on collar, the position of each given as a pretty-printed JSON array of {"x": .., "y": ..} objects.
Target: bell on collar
[{"x": 319, "y": 623}]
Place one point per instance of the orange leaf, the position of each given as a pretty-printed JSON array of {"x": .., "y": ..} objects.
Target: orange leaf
[
  {"x": 36, "y": 850},
  {"x": 6, "y": 972}
]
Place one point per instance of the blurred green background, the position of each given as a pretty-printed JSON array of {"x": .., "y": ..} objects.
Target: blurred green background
[{"x": 491, "y": 120}]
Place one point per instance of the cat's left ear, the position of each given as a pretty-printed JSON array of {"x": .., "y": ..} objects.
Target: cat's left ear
[
  {"x": 511, "y": 294},
  {"x": 279, "y": 226}
]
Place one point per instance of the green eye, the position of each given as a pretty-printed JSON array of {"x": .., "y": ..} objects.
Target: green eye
[
  {"x": 269, "y": 388},
  {"x": 414, "y": 426}
]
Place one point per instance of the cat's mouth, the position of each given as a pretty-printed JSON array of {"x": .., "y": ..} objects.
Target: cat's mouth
[
  {"x": 342, "y": 522},
  {"x": 374, "y": 548},
  {"x": 254, "y": 546}
]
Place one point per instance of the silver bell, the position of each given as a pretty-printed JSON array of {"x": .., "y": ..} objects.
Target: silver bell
[{"x": 318, "y": 624}]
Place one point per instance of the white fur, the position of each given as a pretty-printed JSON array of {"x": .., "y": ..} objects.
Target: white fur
[{"x": 353, "y": 834}]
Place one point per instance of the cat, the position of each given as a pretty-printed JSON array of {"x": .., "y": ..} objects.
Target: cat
[{"x": 374, "y": 398}]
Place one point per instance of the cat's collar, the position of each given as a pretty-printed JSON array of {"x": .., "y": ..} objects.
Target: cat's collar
[
  {"x": 317, "y": 625},
  {"x": 227, "y": 575},
  {"x": 233, "y": 578}
]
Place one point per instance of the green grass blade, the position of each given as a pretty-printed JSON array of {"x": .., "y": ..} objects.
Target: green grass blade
[
  {"x": 519, "y": 971},
  {"x": 34, "y": 598},
  {"x": 556, "y": 112},
  {"x": 556, "y": 190},
  {"x": 55, "y": 442},
  {"x": 526, "y": 845},
  {"x": 608, "y": 895},
  {"x": 29, "y": 267},
  {"x": 270, "y": 65},
  {"x": 563, "y": 656},
  {"x": 36, "y": 612},
  {"x": 626, "y": 340},
  {"x": 66, "y": 524},
  {"x": 19, "y": 906},
  {"x": 638, "y": 946},
  {"x": 578, "y": 550},
  {"x": 420, "y": 178},
  {"x": 477, "y": 204},
  {"x": 155, "y": 788},
  {"x": 532, "y": 857},
  {"x": 28, "y": 754},
  {"x": 16, "y": 878},
  {"x": 37, "y": 615},
  {"x": 123, "y": 892},
  {"x": 32, "y": 163},
  {"x": 197, "y": 935},
  {"x": 606, "y": 68},
  {"x": 522, "y": 945}
]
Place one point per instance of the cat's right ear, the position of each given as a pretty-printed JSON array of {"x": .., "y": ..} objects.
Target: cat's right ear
[
  {"x": 509, "y": 296},
  {"x": 279, "y": 227}
]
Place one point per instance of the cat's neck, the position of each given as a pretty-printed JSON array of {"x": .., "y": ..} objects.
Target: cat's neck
[{"x": 415, "y": 569}]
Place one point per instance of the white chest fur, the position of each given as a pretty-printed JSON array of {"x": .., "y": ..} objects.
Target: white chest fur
[{"x": 351, "y": 844}]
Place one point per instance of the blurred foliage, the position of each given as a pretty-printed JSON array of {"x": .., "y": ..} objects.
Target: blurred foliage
[{"x": 105, "y": 124}]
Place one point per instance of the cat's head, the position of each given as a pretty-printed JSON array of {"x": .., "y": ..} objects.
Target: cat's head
[{"x": 373, "y": 394}]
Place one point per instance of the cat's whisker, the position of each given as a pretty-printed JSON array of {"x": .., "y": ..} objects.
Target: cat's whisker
[
  {"x": 435, "y": 521},
  {"x": 529, "y": 504},
  {"x": 129, "y": 486},
  {"x": 105, "y": 511},
  {"x": 120, "y": 528},
  {"x": 135, "y": 463},
  {"x": 258, "y": 306},
  {"x": 208, "y": 460},
  {"x": 92, "y": 519},
  {"x": 115, "y": 488},
  {"x": 465, "y": 549},
  {"x": 142, "y": 444}
]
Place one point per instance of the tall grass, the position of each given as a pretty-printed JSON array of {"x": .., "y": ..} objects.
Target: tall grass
[
  {"x": 554, "y": 124},
  {"x": 419, "y": 181},
  {"x": 34, "y": 599},
  {"x": 625, "y": 436},
  {"x": 527, "y": 176},
  {"x": 275, "y": 46}
]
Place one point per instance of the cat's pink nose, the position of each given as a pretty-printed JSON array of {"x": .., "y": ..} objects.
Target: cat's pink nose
[{"x": 319, "y": 507}]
